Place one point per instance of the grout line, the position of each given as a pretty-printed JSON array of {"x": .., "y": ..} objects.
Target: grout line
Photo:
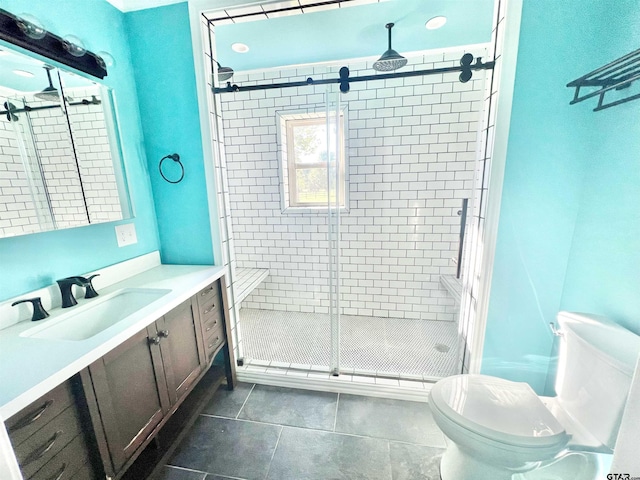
[
  {"x": 389, "y": 452},
  {"x": 318, "y": 430},
  {"x": 187, "y": 470},
  {"x": 245, "y": 401},
  {"x": 335, "y": 420},
  {"x": 274, "y": 452}
]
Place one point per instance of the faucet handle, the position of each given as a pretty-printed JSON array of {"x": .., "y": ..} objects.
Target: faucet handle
[
  {"x": 38, "y": 310},
  {"x": 90, "y": 291}
]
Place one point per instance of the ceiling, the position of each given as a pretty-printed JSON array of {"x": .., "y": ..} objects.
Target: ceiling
[
  {"x": 352, "y": 32},
  {"x": 344, "y": 33},
  {"x": 11, "y": 61}
]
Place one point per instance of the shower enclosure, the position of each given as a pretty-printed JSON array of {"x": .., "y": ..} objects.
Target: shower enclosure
[{"x": 362, "y": 266}]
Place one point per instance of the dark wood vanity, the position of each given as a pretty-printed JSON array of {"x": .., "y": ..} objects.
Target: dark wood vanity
[{"x": 123, "y": 415}]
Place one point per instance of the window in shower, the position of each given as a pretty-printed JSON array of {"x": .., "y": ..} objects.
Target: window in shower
[{"x": 302, "y": 146}]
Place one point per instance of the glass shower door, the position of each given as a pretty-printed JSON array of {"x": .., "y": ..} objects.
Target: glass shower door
[{"x": 335, "y": 199}]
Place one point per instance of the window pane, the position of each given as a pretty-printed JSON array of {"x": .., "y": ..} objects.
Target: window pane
[
  {"x": 312, "y": 185},
  {"x": 309, "y": 143}
]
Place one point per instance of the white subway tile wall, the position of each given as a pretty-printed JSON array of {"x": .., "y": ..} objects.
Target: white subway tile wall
[
  {"x": 475, "y": 245},
  {"x": 91, "y": 140},
  {"x": 26, "y": 205},
  {"x": 17, "y": 211},
  {"x": 412, "y": 155}
]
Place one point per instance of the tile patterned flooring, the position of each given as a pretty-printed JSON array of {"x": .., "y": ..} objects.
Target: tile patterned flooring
[
  {"x": 259, "y": 432},
  {"x": 385, "y": 346}
]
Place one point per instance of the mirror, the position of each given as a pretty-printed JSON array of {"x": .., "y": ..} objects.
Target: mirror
[{"x": 60, "y": 157}]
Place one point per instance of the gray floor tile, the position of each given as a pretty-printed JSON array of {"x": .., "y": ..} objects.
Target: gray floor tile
[
  {"x": 227, "y": 403},
  {"x": 391, "y": 419},
  {"x": 170, "y": 473},
  {"x": 289, "y": 406},
  {"x": 313, "y": 455},
  {"x": 228, "y": 447},
  {"x": 415, "y": 462}
]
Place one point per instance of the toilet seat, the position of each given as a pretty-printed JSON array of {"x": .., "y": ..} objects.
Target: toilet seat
[{"x": 507, "y": 412}]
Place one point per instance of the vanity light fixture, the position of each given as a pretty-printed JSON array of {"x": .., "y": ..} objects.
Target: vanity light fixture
[
  {"x": 24, "y": 73},
  {"x": 435, "y": 23},
  {"x": 27, "y": 33},
  {"x": 240, "y": 47}
]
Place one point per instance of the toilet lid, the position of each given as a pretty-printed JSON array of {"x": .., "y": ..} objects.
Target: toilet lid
[{"x": 502, "y": 410}]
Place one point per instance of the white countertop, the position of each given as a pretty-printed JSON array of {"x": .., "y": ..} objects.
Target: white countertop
[{"x": 30, "y": 367}]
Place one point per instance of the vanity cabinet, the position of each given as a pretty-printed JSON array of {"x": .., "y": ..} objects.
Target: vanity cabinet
[
  {"x": 182, "y": 353},
  {"x": 131, "y": 394},
  {"x": 48, "y": 440},
  {"x": 134, "y": 389}
]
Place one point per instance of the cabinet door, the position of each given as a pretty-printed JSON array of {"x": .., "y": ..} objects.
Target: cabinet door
[
  {"x": 131, "y": 393},
  {"x": 181, "y": 349}
]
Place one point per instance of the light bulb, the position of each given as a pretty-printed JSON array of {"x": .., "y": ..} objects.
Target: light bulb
[
  {"x": 73, "y": 45},
  {"x": 31, "y": 26},
  {"x": 105, "y": 59}
]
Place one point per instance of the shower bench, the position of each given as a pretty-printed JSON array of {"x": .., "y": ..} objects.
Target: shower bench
[{"x": 247, "y": 280}]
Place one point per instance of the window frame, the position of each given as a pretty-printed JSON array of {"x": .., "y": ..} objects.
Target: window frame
[{"x": 286, "y": 122}]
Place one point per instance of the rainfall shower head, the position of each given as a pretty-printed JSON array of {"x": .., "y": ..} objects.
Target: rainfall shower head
[
  {"x": 50, "y": 93},
  {"x": 390, "y": 60},
  {"x": 224, "y": 73}
]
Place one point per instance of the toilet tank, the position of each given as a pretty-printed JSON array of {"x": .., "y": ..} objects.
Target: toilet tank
[{"x": 596, "y": 364}]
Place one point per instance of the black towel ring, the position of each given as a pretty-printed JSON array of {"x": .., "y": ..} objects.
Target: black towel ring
[{"x": 176, "y": 158}]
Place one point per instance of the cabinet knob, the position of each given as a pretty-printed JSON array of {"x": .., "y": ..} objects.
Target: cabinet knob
[
  {"x": 154, "y": 340},
  {"x": 163, "y": 333}
]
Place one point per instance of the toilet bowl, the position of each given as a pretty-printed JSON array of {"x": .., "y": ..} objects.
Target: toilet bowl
[{"x": 498, "y": 429}]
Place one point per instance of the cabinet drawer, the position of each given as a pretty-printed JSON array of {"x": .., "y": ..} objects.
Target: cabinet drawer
[
  {"x": 41, "y": 447},
  {"x": 33, "y": 417},
  {"x": 210, "y": 308},
  {"x": 211, "y": 324},
  {"x": 65, "y": 464},
  {"x": 213, "y": 342},
  {"x": 208, "y": 297}
]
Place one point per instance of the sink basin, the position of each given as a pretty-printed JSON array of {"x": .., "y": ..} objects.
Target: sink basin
[{"x": 94, "y": 316}]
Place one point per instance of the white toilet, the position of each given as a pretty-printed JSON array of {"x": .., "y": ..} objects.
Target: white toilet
[{"x": 496, "y": 428}]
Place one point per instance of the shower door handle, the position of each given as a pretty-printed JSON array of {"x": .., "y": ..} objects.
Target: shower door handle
[{"x": 463, "y": 222}]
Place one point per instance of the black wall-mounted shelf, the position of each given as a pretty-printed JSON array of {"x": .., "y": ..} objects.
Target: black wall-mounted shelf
[{"x": 617, "y": 75}]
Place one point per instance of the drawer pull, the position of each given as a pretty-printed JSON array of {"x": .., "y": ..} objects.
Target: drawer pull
[
  {"x": 154, "y": 340},
  {"x": 211, "y": 326},
  {"x": 26, "y": 421},
  {"x": 210, "y": 309},
  {"x": 41, "y": 451},
  {"x": 163, "y": 333},
  {"x": 215, "y": 342},
  {"x": 207, "y": 291},
  {"x": 59, "y": 473}
]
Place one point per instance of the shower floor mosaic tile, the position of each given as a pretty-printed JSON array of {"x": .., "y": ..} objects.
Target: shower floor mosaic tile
[
  {"x": 374, "y": 345},
  {"x": 259, "y": 432}
]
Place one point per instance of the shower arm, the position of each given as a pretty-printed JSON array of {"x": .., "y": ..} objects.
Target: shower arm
[{"x": 466, "y": 67}]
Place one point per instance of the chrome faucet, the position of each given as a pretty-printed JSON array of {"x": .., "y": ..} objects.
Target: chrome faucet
[{"x": 65, "y": 284}]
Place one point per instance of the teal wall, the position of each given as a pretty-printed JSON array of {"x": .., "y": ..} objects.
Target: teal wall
[
  {"x": 33, "y": 261},
  {"x": 603, "y": 274},
  {"x": 566, "y": 234},
  {"x": 160, "y": 41}
]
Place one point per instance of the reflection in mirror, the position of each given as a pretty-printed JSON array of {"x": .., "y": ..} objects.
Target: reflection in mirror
[{"x": 60, "y": 162}]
